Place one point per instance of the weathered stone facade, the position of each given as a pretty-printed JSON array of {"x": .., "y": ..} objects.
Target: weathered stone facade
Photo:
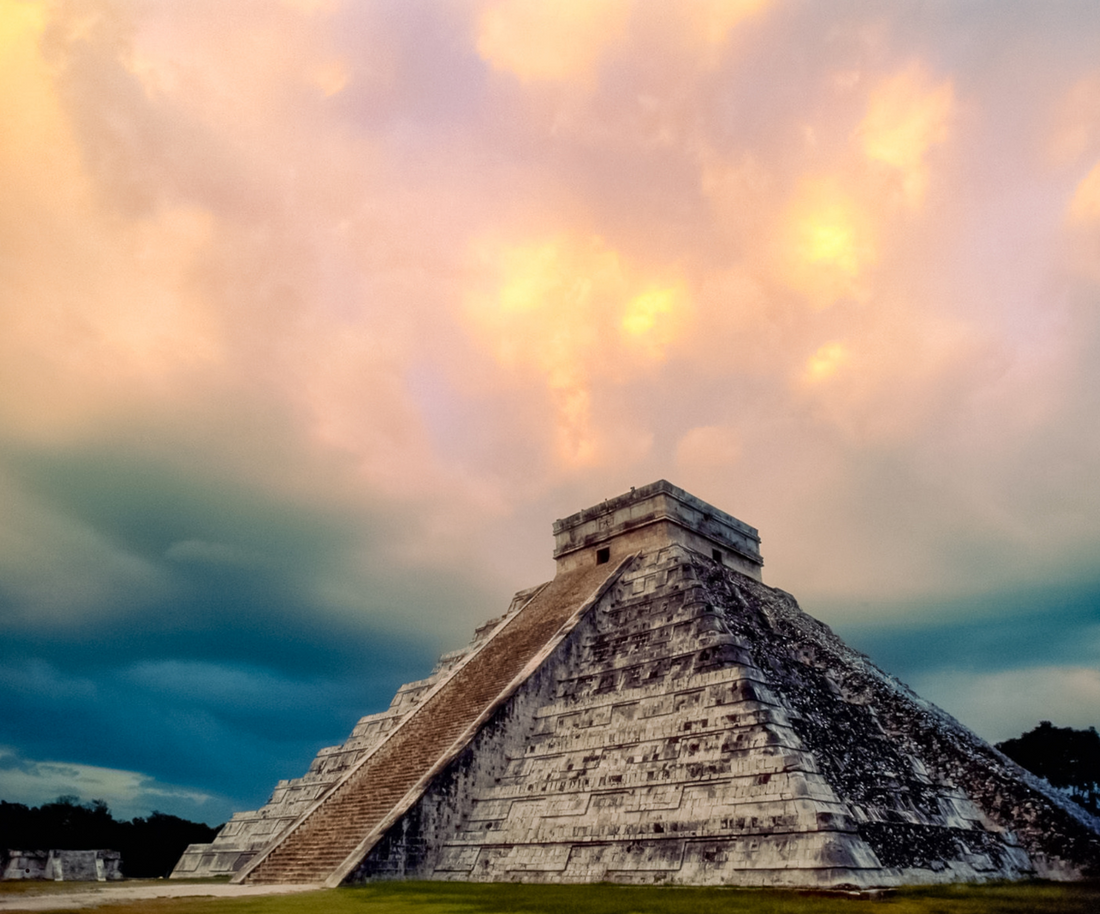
[
  {"x": 62, "y": 865},
  {"x": 248, "y": 833},
  {"x": 685, "y": 724}
]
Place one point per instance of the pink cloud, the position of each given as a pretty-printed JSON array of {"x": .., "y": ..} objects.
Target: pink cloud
[{"x": 745, "y": 242}]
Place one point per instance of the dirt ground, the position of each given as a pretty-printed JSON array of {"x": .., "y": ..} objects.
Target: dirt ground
[{"x": 52, "y": 896}]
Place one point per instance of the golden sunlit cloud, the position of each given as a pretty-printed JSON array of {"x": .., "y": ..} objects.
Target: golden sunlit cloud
[
  {"x": 896, "y": 368},
  {"x": 331, "y": 77},
  {"x": 553, "y": 42},
  {"x": 1085, "y": 205},
  {"x": 653, "y": 320},
  {"x": 825, "y": 363},
  {"x": 99, "y": 307},
  {"x": 28, "y": 102},
  {"x": 20, "y": 22},
  {"x": 828, "y": 238},
  {"x": 828, "y": 243},
  {"x": 566, "y": 41},
  {"x": 906, "y": 116},
  {"x": 569, "y": 309},
  {"x": 712, "y": 20}
]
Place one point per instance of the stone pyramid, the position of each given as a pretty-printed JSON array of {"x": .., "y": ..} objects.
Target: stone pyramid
[{"x": 656, "y": 714}]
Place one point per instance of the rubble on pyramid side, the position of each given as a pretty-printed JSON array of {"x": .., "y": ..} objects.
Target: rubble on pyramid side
[
  {"x": 1061, "y": 837},
  {"x": 686, "y": 724},
  {"x": 248, "y": 833},
  {"x": 699, "y": 728}
]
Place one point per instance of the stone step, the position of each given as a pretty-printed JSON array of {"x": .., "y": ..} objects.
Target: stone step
[{"x": 353, "y": 810}]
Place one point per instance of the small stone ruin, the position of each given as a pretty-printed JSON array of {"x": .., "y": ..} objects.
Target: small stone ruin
[
  {"x": 61, "y": 865},
  {"x": 657, "y": 714}
]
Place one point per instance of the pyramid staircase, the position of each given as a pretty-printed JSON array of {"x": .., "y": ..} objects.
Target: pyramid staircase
[
  {"x": 330, "y": 838},
  {"x": 656, "y": 714}
]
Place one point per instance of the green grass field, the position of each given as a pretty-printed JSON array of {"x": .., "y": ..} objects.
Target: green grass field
[{"x": 497, "y": 898}]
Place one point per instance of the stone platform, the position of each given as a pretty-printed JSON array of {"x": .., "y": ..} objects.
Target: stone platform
[{"x": 662, "y": 717}]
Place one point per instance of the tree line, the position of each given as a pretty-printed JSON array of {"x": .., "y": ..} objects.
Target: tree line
[
  {"x": 149, "y": 846},
  {"x": 1068, "y": 759}
]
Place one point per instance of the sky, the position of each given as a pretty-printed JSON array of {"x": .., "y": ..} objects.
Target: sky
[{"x": 314, "y": 315}]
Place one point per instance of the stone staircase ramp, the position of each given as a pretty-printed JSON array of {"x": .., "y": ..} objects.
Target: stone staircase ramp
[{"x": 331, "y": 838}]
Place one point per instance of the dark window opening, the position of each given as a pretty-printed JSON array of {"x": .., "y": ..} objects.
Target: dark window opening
[
  {"x": 716, "y": 554},
  {"x": 603, "y": 556}
]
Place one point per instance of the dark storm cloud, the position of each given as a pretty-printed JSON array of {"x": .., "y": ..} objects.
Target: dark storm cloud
[
  {"x": 236, "y": 670},
  {"x": 993, "y": 631},
  {"x": 999, "y": 662}
]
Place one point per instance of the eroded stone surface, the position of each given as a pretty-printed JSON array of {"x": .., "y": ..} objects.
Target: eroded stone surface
[
  {"x": 699, "y": 728},
  {"x": 61, "y": 865},
  {"x": 249, "y": 833},
  {"x": 695, "y": 726},
  {"x": 332, "y": 837}
]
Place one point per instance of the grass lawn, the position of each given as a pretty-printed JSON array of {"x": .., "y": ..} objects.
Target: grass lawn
[{"x": 499, "y": 898}]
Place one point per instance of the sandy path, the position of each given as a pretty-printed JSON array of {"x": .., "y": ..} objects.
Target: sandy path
[{"x": 91, "y": 897}]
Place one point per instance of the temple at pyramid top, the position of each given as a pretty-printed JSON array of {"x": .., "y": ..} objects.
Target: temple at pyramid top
[
  {"x": 659, "y": 514},
  {"x": 657, "y": 714}
]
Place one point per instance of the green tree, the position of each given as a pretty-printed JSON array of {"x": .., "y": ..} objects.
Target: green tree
[{"x": 1069, "y": 759}]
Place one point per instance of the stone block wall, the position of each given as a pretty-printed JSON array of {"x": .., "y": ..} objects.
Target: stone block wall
[
  {"x": 248, "y": 833},
  {"x": 62, "y": 865},
  {"x": 698, "y": 728}
]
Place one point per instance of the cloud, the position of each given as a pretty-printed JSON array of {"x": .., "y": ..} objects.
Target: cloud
[
  {"x": 566, "y": 43},
  {"x": 1085, "y": 205},
  {"x": 200, "y": 552},
  {"x": 1005, "y": 704},
  {"x": 571, "y": 309},
  {"x": 559, "y": 43},
  {"x": 827, "y": 245},
  {"x": 183, "y": 714},
  {"x": 709, "y": 446},
  {"x": 56, "y": 568},
  {"x": 826, "y": 362},
  {"x": 906, "y": 117},
  {"x": 713, "y": 20},
  {"x": 227, "y": 687},
  {"x": 41, "y": 679},
  {"x": 317, "y": 314},
  {"x": 128, "y": 793}
]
